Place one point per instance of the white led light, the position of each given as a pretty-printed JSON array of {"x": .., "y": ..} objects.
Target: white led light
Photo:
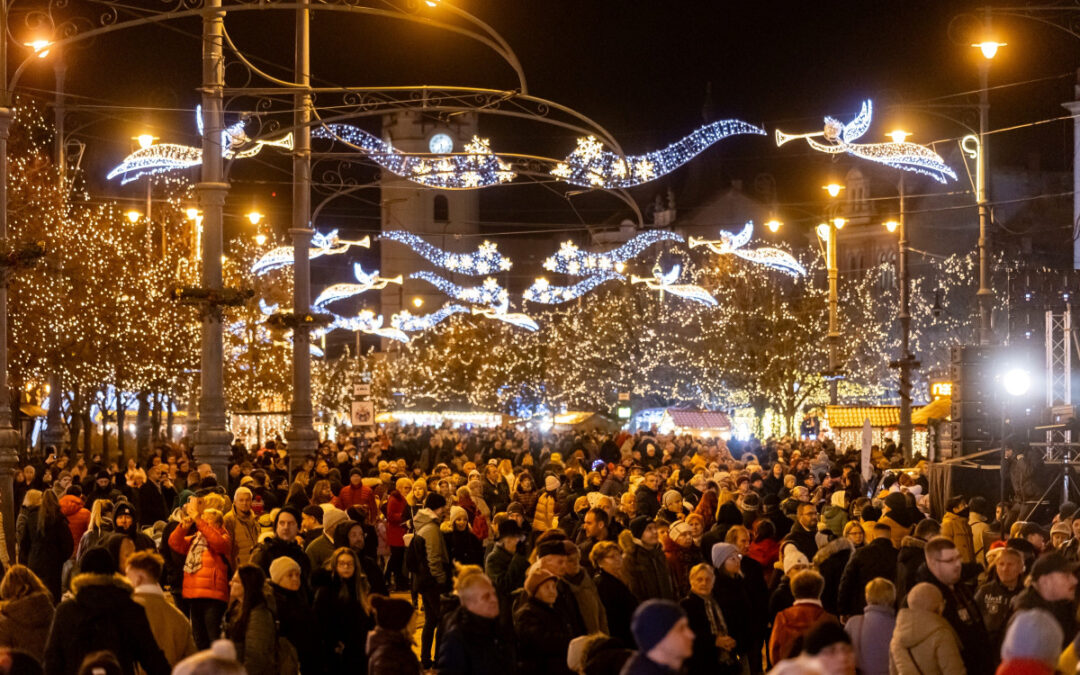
[
  {"x": 368, "y": 322},
  {"x": 321, "y": 244},
  {"x": 488, "y": 293},
  {"x": 733, "y": 243},
  {"x": 406, "y": 321},
  {"x": 368, "y": 282},
  {"x": 543, "y": 292},
  {"x": 514, "y": 319},
  {"x": 665, "y": 283},
  {"x": 569, "y": 259},
  {"x": 905, "y": 156},
  {"x": 486, "y": 260}
]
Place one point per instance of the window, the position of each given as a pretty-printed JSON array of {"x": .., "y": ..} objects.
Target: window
[
  {"x": 888, "y": 270},
  {"x": 442, "y": 208}
]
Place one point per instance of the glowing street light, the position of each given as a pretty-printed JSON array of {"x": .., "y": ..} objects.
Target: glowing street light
[
  {"x": 254, "y": 217},
  {"x": 260, "y": 239},
  {"x": 989, "y": 48},
  {"x": 839, "y": 223},
  {"x": 773, "y": 225},
  {"x": 898, "y": 135},
  {"x": 833, "y": 189},
  {"x": 133, "y": 216},
  {"x": 40, "y": 47},
  {"x": 145, "y": 140},
  {"x": 418, "y": 302},
  {"x": 891, "y": 225},
  {"x": 1016, "y": 382}
]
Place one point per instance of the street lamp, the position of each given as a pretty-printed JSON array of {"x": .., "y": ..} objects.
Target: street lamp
[
  {"x": 133, "y": 216},
  {"x": 829, "y": 230},
  {"x": 989, "y": 48},
  {"x": 418, "y": 302},
  {"x": 773, "y": 224},
  {"x": 833, "y": 189},
  {"x": 906, "y": 363},
  {"x": 260, "y": 239},
  {"x": 254, "y": 217}
]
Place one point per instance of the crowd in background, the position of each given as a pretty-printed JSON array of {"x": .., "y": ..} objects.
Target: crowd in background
[{"x": 500, "y": 551}]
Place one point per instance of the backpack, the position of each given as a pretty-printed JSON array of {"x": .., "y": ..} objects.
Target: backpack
[{"x": 416, "y": 555}]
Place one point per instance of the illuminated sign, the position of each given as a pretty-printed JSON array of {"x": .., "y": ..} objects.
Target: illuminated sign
[
  {"x": 940, "y": 390},
  {"x": 624, "y": 412}
]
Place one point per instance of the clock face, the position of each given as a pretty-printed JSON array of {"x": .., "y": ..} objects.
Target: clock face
[{"x": 441, "y": 144}]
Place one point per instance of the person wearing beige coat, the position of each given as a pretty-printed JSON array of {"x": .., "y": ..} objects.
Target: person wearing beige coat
[
  {"x": 171, "y": 629},
  {"x": 955, "y": 528},
  {"x": 923, "y": 642}
]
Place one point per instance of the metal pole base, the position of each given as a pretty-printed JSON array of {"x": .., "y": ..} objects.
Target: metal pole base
[
  {"x": 302, "y": 444},
  {"x": 214, "y": 448},
  {"x": 9, "y": 462}
]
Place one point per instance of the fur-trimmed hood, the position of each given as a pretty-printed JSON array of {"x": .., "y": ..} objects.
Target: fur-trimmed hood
[
  {"x": 86, "y": 581},
  {"x": 832, "y": 548},
  {"x": 914, "y": 542}
]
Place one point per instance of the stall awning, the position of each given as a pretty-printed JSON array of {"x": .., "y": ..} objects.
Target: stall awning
[
  {"x": 881, "y": 416},
  {"x": 31, "y": 410},
  {"x": 700, "y": 419},
  {"x": 936, "y": 410}
]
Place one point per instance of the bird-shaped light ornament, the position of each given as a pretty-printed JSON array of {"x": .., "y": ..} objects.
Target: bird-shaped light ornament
[
  {"x": 500, "y": 313},
  {"x": 734, "y": 243},
  {"x": 368, "y": 322},
  {"x": 321, "y": 244},
  {"x": 165, "y": 157},
  {"x": 902, "y": 155},
  {"x": 666, "y": 283},
  {"x": 367, "y": 282},
  {"x": 407, "y": 321}
]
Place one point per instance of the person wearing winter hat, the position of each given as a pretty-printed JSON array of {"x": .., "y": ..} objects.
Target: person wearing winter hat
[
  {"x": 980, "y": 513},
  {"x": 1052, "y": 587},
  {"x": 644, "y": 561},
  {"x": 220, "y": 659},
  {"x": 463, "y": 546},
  {"x": 283, "y": 542},
  {"x": 663, "y": 636},
  {"x": 1059, "y": 534},
  {"x": 389, "y": 646},
  {"x": 323, "y": 546},
  {"x": 682, "y": 554},
  {"x": 894, "y": 513},
  {"x": 297, "y": 621},
  {"x": 543, "y": 633},
  {"x": 544, "y": 517},
  {"x": 435, "y": 572},
  {"x": 791, "y": 564},
  {"x": 1031, "y": 645},
  {"x": 672, "y": 509}
]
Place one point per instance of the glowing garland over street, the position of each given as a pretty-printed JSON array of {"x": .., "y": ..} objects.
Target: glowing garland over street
[
  {"x": 321, "y": 244},
  {"x": 514, "y": 319},
  {"x": 485, "y": 260},
  {"x": 488, "y": 293},
  {"x": 662, "y": 282},
  {"x": 590, "y": 165},
  {"x": 733, "y": 243},
  {"x": 543, "y": 292},
  {"x": 905, "y": 156},
  {"x": 476, "y": 168},
  {"x": 406, "y": 321},
  {"x": 570, "y": 259},
  {"x": 367, "y": 281},
  {"x": 368, "y": 322}
]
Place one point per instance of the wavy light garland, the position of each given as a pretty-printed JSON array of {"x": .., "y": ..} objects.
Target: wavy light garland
[
  {"x": 477, "y": 167},
  {"x": 732, "y": 243},
  {"x": 321, "y": 244},
  {"x": 514, "y": 319},
  {"x": 488, "y": 293},
  {"x": 406, "y": 321},
  {"x": 368, "y": 282},
  {"x": 368, "y": 322},
  {"x": 543, "y": 292},
  {"x": 904, "y": 156},
  {"x": 485, "y": 260},
  {"x": 570, "y": 259},
  {"x": 590, "y": 165},
  {"x": 665, "y": 283}
]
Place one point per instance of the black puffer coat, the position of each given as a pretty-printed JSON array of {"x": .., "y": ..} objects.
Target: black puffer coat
[
  {"x": 473, "y": 645},
  {"x": 543, "y": 636},
  {"x": 390, "y": 653}
]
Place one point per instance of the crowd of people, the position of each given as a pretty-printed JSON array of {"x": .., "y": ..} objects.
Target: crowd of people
[{"x": 500, "y": 551}]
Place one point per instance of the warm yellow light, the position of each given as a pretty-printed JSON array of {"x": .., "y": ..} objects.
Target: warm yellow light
[
  {"x": 260, "y": 239},
  {"x": 839, "y": 223},
  {"x": 431, "y": 3},
  {"x": 40, "y": 47},
  {"x": 192, "y": 214},
  {"x": 145, "y": 140},
  {"x": 833, "y": 189},
  {"x": 620, "y": 267},
  {"x": 898, "y": 136},
  {"x": 133, "y": 216},
  {"x": 773, "y": 225},
  {"x": 254, "y": 217},
  {"x": 418, "y": 302},
  {"x": 891, "y": 225},
  {"x": 823, "y": 230},
  {"x": 989, "y": 48}
]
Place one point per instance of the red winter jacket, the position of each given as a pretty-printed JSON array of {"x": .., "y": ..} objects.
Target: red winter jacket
[
  {"x": 212, "y": 579},
  {"x": 793, "y": 623},
  {"x": 77, "y": 516},
  {"x": 358, "y": 496},
  {"x": 396, "y": 510}
]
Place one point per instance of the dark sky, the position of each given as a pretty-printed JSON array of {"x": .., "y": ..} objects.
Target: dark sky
[{"x": 638, "y": 67}]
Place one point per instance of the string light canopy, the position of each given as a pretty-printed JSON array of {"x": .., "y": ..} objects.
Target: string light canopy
[
  {"x": 159, "y": 158},
  {"x": 570, "y": 259},
  {"x": 410, "y": 323},
  {"x": 367, "y": 282},
  {"x": 485, "y": 260},
  {"x": 590, "y": 165},
  {"x": 730, "y": 243},
  {"x": 321, "y": 244},
  {"x": 542, "y": 291},
  {"x": 665, "y": 282},
  {"x": 477, "y": 167},
  {"x": 904, "y": 155}
]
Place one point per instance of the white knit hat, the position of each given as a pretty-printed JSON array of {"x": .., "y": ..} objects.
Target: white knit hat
[{"x": 551, "y": 483}]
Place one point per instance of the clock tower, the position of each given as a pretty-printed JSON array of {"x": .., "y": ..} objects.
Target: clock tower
[{"x": 439, "y": 216}]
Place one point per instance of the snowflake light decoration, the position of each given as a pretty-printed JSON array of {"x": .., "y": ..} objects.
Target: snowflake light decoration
[
  {"x": 488, "y": 293},
  {"x": 733, "y": 243},
  {"x": 486, "y": 260},
  {"x": 570, "y": 259}
]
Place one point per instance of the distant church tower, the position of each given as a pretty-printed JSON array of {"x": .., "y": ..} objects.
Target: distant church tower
[{"x": 435, "y": 215}]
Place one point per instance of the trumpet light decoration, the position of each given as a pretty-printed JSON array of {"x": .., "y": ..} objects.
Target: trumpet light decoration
[
  {"x": 368, "y": 322},
  {"x": 485, "y": 260},
  {"x": 165, "y": 157},
  {"x": 840, "y": 138},
  {"x": 406, "y": 321},
  {"x": 477, "y": 167},
  {"x": 321, "y": 244},
  {"x": 591, "y": 165},
  {"x": 570, "y": 259},
  {"x": 500, "y": 313},
  {"x": 666, "y": 283},
  {"x": 542, "y": 291},
  {"x": 367, "y": 282},
  {"x": 730, "y": 243}
]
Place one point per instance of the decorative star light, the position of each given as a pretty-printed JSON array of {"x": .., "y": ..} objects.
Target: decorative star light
[
  {"x": 569, "y": 259},
  {"x": 475, "y": 168},
  {"x": 368, "y": 322},
  {"x": 905, "y": 156},
  {"x": 165, "y": 157},
  {"x": 733, "y": 243},
  {"x": 368, "y": 282},
  {"x": 321, "y": 244},
  {"x": 405, "y": 321},
  {"x": 662, "y": 282},
  {"x": 488, "y": 293},
  {"x": 484, "y": 261},
  {"x": 543, "y": 292},
  {"x": 590, "y": 165},
  {"x": 500, "y": 313}
]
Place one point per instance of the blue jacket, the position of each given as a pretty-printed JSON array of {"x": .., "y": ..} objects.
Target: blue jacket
[{"x": 870, "y": 634}]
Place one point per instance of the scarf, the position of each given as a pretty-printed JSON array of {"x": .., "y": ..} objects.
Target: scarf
[{"x": 193, "y": 561}]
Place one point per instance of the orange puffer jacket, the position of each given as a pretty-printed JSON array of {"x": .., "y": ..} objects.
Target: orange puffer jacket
[
  {"x": 212, "y": 579},
  {"x": 77, "y": 516}
]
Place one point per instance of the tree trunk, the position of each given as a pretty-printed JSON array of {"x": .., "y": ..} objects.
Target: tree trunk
[
  {"x": 155, "y": 418},
  {"x": 120, "y": 420},
  {"x": 142, "y": 426},
  {"x": 168, "y": 419},
  {"x": 75, "y": 425}
]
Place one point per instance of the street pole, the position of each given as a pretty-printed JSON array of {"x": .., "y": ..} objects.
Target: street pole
[
  {"x": 906, "y": 359},
  {"x": 9, "y": 438},
  {"x": 834, "y": 331},
  {"x": 54, "y": 426},
  {"x": 985, "y": 295},
  {"x": 211, "y": 438},
  {"x": 301, "y": 437}
]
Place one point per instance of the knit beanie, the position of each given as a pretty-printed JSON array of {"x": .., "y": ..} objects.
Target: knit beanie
[
  {"x": 550, "y": 547},
  {"x": 282, "y": 566},
  {"x": 721, "y": 551},
  {"x": 434, "y": 501},
  {"x": 896, "y": 501},
  {"x": 678, "y": 529},
  {"x": 458, "y": 512},
  {"x": 638, "y": 525},
  {"x": 672, "y": 498},
  {"x": 391, "y": 613},
  {"x": 291, "y": 511},
  {"x": 330, "y": 520},
  {"x": 793, "y": 557},
  {"x": 1033, "y": 634},
  {"x": 98, "y": 561},
  {"x": 652, "y": 621},
  {"x": 537, "y": 577},
  {"x": 551, "y": 483}
]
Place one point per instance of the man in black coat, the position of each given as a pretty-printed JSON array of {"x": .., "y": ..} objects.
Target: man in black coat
[
  {"x": 102, "y": 616},
  {"x": 1052, "y": 587},
  {"x": 803, "y": 532},
  {"x": 646, "y": 502},
  {"x": 283, "y": 543},
  {"x": 876, "y": 559},
  {"x": 472, "y": 640}
]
